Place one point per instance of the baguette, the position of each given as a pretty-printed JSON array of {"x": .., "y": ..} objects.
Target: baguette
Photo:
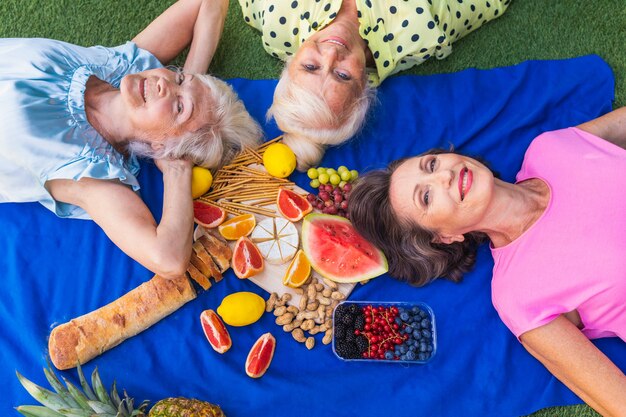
[{"x": 87, "y": 336}]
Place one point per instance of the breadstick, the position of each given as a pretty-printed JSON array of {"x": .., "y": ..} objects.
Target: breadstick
[{"x": 87, "y": 336}]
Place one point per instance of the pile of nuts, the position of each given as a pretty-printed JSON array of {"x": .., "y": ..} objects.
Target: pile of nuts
[{"x": 315, "y": 312}]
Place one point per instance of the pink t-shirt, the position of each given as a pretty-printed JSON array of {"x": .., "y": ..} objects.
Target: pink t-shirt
[{"x": 574, "y": 255}]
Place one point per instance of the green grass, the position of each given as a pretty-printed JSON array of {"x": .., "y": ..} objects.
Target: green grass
[{"x": 530, "y": 29}]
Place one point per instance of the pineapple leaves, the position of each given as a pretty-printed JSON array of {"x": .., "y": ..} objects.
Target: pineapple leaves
[
  {"x": 37, "y": 411},
  {"x": 44, "y": 396},
  {"x": 70, "y": 401},
  {"x": 83, "y": 383}
]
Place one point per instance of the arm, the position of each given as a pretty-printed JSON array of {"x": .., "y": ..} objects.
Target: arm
[
  {"x": 576, "y": 362},
  {"x": 195, "y": 22},
  {"x": 163, "y": 248},
  {"x": 610, "y": 127}
]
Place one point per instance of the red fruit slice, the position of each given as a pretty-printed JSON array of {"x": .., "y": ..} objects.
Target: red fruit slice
[
  {"x": 260, "y": 356},
  {"x": 247, "y": 259},
  {"x": 215, "y": 331},
  {"x": 208, "y": 215},
  {"x": 292, "y": 205}
]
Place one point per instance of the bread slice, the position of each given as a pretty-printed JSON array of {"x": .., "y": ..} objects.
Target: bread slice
[
  {"x": 219, "y": 250},
  {"x": 199, "y": 277},
  {"x": 205, "y": 258}
]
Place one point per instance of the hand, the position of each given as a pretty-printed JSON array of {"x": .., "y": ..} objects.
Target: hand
[{"x": 173, "y": 165}]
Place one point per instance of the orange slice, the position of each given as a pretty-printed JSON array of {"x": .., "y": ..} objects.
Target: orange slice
[
  {"x": 299, "y": 271},
  {"x": 292, "y": 205},
  {"x": 247, "y": 260},
  {"x": 237, "y": 227}
]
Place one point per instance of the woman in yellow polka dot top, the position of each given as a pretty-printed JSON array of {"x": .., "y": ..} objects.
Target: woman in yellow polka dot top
[{"x": 337, "y": 52}]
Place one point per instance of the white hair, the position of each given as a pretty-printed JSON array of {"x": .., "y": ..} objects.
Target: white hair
[
  {"x": 308, "y": 122},
  {"x": 229, "y": 129}
]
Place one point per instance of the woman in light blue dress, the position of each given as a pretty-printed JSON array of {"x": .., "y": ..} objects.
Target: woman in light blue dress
[{"x": 73, "y": 121}]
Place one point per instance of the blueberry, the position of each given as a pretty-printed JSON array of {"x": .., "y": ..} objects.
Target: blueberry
[
  {"x": 389, "y": 355},
  {"x": 425, "y": 323},
  {"x": 408, "y": 330},
  {"x": 410, "y": 356},
  {"x": 404, "y": 316},
  {"x": 417, "y": 334},
  {"x": 429, "y": 348},
  {"x": 423, "y": 347},
  {"x": 426, "y": 333},
  {"x": 403, "y": 357},
  {"x": 398, "y": 321},
  {"x": 403, "y": 348},
  {"x": 423, "y": 314},
  {"x": 412, "y": 348},
  {"x": 416, "y": 309},
  {"x": 397, "y": 352}
]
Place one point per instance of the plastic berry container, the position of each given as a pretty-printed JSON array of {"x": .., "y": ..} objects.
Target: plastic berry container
[{"x": 379, "y": 331}]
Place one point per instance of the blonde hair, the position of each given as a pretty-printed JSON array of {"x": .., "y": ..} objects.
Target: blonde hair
[
  {"x": 308, "y": 122},
  {"x": 230, "y": 128}
]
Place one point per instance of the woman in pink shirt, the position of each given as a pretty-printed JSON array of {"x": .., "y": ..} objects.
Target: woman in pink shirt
[{"x": 558, "y": 238}]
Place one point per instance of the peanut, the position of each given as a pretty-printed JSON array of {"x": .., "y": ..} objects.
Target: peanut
[
  {"x": 284, "y": 319},
  {"x": 324, "y": 301},
  {"x": 307, "y": 325},
  {"x": 310, "y": 342},
  {"x": 296, "y": 323},
  {"x": 327, "y": 292},
  {"x": 312, "y": 306},
  {"x": 293, "y": 310},
  {"x": 298, "y": 334},
  {"x": 319, "y": 287},
  {"x": 279, "y": 311},
  {"x": 289, "y": 327},
  {"x": 304, "y": 300},
  {"x": 310, "y": 315},
  {"x": 310, "y": 292},
  {"x": 328, "y": 337},
  {"x": 320, "y": 311},
  {"x": 299, "y": 291},
  {"x": 315, "y": 330},
  {"x": 300, "y": 316},
  {"x": 331, "y": 284},
  {"x": 271, "y": 302},
  {"x": 284, "y": 298},
  {"x": 336, "y": 295}
]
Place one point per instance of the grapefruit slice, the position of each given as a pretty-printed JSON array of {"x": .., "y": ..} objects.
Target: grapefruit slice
[
  {"x": 298, "y": 272},
  {"x": 215, "y": 331},
  {"x": 247, "y": 260},
  {"x": 237, "y": 227},
  {"x": 277, "y": 239},
  {"x": 338, "y": 252},
  {"x": 291, "y": 205},
  {"x": 207, "y": 214},
  {"x": 260, "y": 356}
]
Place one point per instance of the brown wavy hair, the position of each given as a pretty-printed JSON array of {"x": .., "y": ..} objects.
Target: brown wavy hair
[{"x": 412, "y": 255}]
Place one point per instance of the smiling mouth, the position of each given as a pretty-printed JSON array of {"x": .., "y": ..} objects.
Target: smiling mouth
[
  {"x": 142, "y": 89},
  {"x": 465, "y": 182},
  {"x": 336, "y": 41}
]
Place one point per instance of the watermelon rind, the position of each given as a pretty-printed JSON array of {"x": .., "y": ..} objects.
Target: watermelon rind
[{"x": 379, "y": 269}]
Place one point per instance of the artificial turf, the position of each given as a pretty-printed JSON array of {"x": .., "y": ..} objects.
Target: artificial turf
[{"x": 530, "y": 29}]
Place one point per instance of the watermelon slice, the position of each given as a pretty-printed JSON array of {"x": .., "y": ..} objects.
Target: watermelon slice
[{"x": 338, "y": 252}]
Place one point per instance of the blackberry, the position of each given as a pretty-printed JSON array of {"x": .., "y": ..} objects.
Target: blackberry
[
  {"x": 347, "y": 319},
  {"x": 359, "y": 322},
  {"x": 340, "y": 327},
  {"x": 341, "y": 310},
  {"x": 340, "y": 334},
  {"x": 347, "y": 350},
  {"x": 362, "y": 343},
  {"x": 354, "y": 309},
  {"x": 350, "y": 337}
]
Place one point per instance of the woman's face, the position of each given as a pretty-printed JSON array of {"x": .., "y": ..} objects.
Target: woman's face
[
  {"x": 448, "y": 194},
  {"x": 161, "y": 104},
  {"x": 331, "y": 62}
]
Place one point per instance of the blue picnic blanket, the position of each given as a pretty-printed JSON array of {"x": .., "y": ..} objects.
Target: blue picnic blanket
[{"x": 57, "y": 269}]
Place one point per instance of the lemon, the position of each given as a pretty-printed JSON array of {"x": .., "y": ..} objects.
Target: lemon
[
  {"x": 279, "y": 160},
  {"x": 201, "y": 180},
  {"x": 241, "y": 308}
]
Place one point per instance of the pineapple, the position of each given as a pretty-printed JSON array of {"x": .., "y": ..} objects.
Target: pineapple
[{"x": 94, "y": 401}]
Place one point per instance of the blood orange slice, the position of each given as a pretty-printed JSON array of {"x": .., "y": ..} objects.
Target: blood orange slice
[
  {"x": 207, "y": 214},
  {"x": 237, "y": 227},
  {"x": 215, "y": 331},
  {"x": 292, "y": 205},
  {"x": 247, "y": 260}
]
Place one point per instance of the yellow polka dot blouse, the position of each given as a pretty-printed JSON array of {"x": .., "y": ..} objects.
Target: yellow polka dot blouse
[{"x": 400, "y": 33}]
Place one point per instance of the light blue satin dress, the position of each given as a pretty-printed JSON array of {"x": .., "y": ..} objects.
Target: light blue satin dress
[{"x": 44, "y": 133}]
